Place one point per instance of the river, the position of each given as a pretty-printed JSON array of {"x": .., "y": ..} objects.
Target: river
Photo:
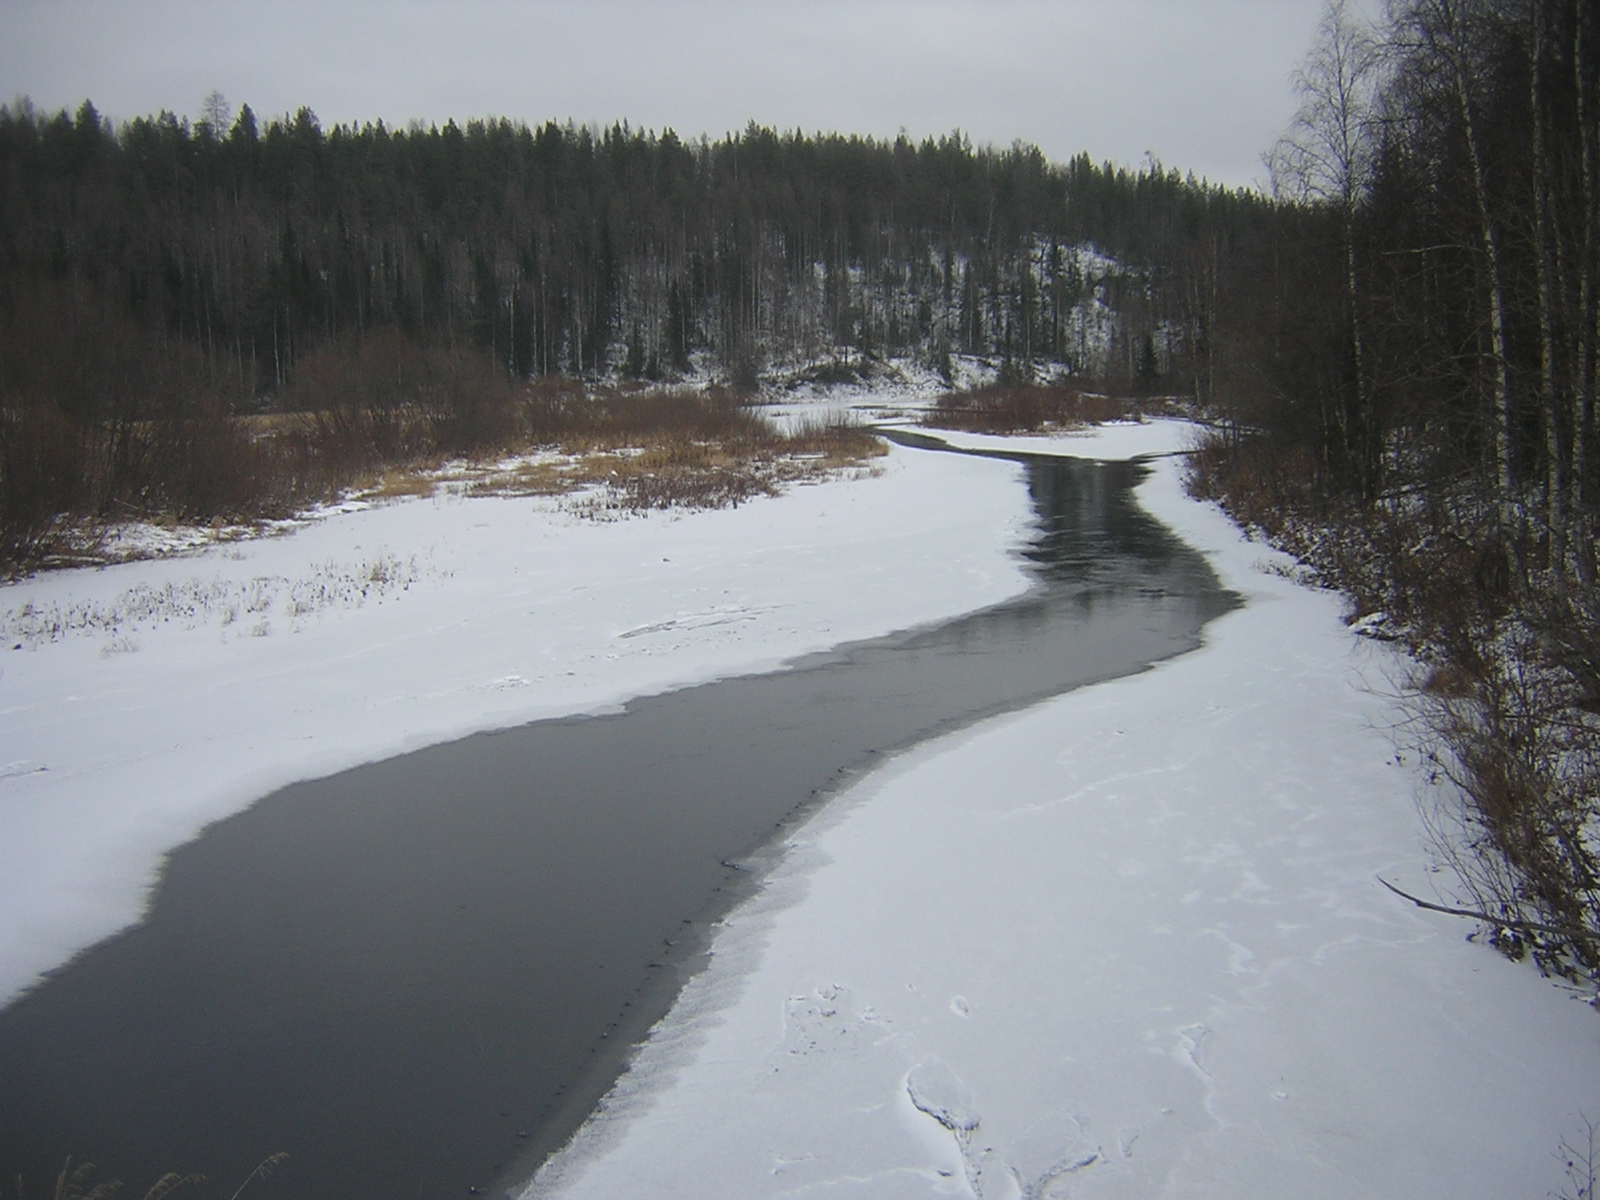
[{"x": 418, "y": 977}]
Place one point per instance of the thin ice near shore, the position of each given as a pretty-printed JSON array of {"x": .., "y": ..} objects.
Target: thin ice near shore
[{"x": 1129, "y": 943}]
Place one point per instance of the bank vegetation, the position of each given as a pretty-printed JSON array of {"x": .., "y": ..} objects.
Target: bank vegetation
[{"x": 1416, "y": 416}]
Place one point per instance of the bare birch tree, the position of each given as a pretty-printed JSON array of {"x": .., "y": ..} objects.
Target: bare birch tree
[
  {"x": 1327, "y": 156},
  {"x": 1446, "y": 34}
]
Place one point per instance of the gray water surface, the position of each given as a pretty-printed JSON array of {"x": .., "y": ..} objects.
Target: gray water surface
[{"x": 418, "y": 977}]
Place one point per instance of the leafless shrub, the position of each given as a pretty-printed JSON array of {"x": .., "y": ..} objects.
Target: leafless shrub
[
  {"x": 100, "y": 418},
  {"x": 381, "y": 398},
  {"x": 1581, "y": 1158},
  {"x": 377, "y": 412},
  {"x": 41, "y": 469},
  {"x": 615, "y": 416},
  {"x": 1020, "y": 407},
  {"x": 1508, "y": 700},
  {"x": 1522, "y": 841}
]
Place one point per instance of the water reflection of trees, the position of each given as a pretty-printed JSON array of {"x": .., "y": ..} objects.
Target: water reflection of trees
[{"x": 1093, "y": 533}]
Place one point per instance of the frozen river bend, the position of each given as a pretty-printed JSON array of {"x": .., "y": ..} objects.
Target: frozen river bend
[{"x": 1127, "y": 943}]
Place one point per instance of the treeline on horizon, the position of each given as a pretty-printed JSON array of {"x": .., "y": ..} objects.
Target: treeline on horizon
[
  {"x": 1415, "y": 303},
  {"x": 569, "y": 250},
  {"x": 161, "y": 280}
]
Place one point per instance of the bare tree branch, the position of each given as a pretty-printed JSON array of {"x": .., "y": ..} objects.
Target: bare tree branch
[{"x": 1503, "y": 922}]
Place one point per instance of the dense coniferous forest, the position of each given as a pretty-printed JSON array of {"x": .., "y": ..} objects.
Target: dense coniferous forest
[
  {"x": 1399, "y": 347},
  {"x": 565, "y": 250}
]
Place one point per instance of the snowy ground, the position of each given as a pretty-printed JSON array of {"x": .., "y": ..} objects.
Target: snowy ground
[
  {"x": 1129, "y": 943},
  {"x": 142, "y": 701}
]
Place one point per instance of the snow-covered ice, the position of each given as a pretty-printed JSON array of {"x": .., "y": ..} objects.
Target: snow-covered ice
[
  {"x": 140, "y": 702},
  {"x": 1128, "y": 943}
]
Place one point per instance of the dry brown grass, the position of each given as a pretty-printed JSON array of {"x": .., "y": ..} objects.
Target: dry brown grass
[
  {"x": 448, "y": 422},
  {"x": 623, "y": 450},
  {"x": 629, "y": 473},
  {"x": 397, "y": 485}
]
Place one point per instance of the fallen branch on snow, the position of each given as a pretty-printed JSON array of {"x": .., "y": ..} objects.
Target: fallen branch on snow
[{"x": 1504, "y": 923}]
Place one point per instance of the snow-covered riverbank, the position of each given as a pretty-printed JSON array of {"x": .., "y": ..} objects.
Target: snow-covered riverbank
[
  {"x": 1128, "y": 943},
  {"x": 140, "y": 702}
]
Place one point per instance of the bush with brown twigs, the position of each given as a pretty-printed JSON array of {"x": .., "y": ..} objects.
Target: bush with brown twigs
[
  {"x": 1507, "y": 702},
  {"x": 377, "y": 408},
  {"x": 1003, "y": 408}
]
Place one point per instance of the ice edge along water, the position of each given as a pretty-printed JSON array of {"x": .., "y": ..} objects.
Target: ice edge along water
[
  {"x": 141, "y": 702},
  {"x": 1127, "y": 943}
]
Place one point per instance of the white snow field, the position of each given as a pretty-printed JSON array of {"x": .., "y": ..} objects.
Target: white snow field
[
  {"x": 140, "y": 702},
  {"x": 1128, "y": 943}
]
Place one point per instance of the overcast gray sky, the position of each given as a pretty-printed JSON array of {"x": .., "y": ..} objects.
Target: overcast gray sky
[{"x": 1201, "y": 84}]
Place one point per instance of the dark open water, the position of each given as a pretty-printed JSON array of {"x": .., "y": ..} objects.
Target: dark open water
[{"x": 417, "y": 977}]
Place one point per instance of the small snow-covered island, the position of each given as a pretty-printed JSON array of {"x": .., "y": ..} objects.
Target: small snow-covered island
[{"x": 569, "y": 661}]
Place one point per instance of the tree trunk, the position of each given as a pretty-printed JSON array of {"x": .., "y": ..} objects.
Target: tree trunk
[
  {"x": 1360, "y": 436},
  {"x": 1588, "y": 316},
  {"x": 1504, "y": 430},
  {"x": 1549, "y": 291}
]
